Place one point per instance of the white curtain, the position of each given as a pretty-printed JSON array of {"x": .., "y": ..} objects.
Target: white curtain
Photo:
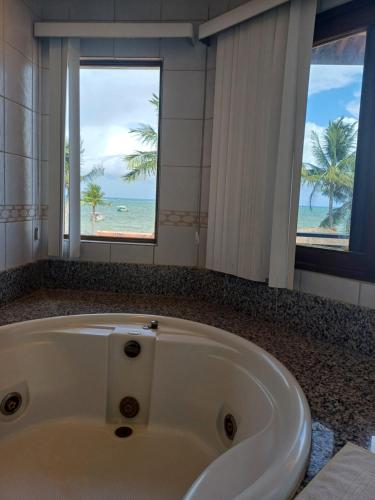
[
  {"x": 64, "y": 61},
  {"x": 261, "y": 85}
]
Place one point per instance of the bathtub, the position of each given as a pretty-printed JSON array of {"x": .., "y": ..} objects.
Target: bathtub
[{"x": 120, "y": 406}]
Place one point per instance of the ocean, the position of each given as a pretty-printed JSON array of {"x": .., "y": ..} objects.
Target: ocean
[
  {"x": 313, "y": 217},
  {"x": 140, "y": 217}
]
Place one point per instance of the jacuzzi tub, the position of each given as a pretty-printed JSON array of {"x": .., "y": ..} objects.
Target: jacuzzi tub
[{"x": 218, "y": 417}]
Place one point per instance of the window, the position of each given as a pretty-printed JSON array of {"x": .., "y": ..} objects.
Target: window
[
  {"x": 337, "y": 196},
  {"x": 119, "y": 131}
]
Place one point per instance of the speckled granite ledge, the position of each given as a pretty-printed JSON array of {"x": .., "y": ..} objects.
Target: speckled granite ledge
[
  {"x": 340, "y": 324},
  {"x": 15, "y": 283},
  {"x": 316, "y": 317},
  {"x": 339, "y": 383}
]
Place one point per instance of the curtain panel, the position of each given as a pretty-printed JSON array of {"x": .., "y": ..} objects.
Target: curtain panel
[
  {"x": 262, "y": 71},
  {"x": 64, "y": 60}
]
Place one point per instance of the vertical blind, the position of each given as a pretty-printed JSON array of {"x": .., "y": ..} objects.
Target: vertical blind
[
  {"x": 261, "y": 85},
  {"x": 64, "y": 60}
]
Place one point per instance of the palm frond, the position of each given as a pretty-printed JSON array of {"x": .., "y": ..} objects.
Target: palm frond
[
  {"x": 95, "y": 172},
  {"x": 140, "y": 164},
  {"x": 146, "y": 134}
]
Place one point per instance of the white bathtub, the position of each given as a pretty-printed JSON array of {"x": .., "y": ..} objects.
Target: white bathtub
[{"x": 189, "y": 380}]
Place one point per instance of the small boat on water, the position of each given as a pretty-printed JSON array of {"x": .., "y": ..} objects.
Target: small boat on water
[{"x": 122, "y": 208}]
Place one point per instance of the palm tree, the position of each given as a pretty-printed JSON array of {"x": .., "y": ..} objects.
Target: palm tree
[
  {"x": 143, "y": 163},
  {"x": 333, "y": 173},
  {"x": 93, "y": 195}
]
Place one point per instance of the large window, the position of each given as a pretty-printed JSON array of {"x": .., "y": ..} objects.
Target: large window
[
  {"x": 119, "y": 130},
  {"x": 334, "y": 232}
]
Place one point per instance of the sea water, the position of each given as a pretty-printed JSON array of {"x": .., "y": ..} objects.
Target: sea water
[
  {"x": 312, "y": 217},
  {"x": 139, "y": 217}
]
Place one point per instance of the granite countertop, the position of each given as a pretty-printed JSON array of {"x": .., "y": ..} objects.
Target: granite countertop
[{"x": 339, "y": 384}]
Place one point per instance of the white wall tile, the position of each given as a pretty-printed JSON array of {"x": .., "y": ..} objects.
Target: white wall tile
[
  {"x": 367, "y": 295},
  {"x": 207, "y": 142},
  {"x": 137, "y": 10},
  {"x": 18, "y": 77},
  {"x": 181, "y": 54},
  {"x": 18, "y": 26},
  {"x": 44, "y": 182},
  {"x": 45, "y": 101},
  {"x": 297, "y": 280},
  {"x": 18, "y": 237},
  {"x": 137, "y": 47},
  {"x": 96, "y": 47},
  {"x": 211, "y": 54},
  {"x": 179, "y": 188},
  {"x": 18, "y": 180},
  {"x": 2, "y": 246},
  {"x": 36, "y": 135},
  {"x": 94, "y": 251},
  {"x": 36, "y": 90},
  {"x": 2, "y": 179},
  {"x": 205, "y": 189},
  {"x": 2, "y": 129},
  {"x": 18, "y": 129},
  {"x": 37, "y": 243},
  {"x": 132, "y": 254},
  {"x": 181, "y": 142},
  {"x": 332, "y": 287},
  {"x": 55, "y": 10},
  {"x": 210, "y": 94},
  {"x": 183, "y": 94},
  {"x": 43, "y": 249},
  {"x": 92, "y": 10},
  {"x": 218, "y": 7},
  {"x": 176, "y": 246},
  {"x": 36, "y": 182},
  {"x": 236, "y": 3},
  {"x": 202, "y": 247},
  {"x": 45, "y": 137},
  {"x": 175, "y": 10}
]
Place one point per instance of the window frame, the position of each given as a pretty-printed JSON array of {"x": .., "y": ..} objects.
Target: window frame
[
  {"x": 96, "y": 62},
  {"x": 358, "y": 262}
]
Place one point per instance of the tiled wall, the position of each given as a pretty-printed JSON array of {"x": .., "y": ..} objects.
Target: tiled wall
[
  {"x": 20, "y": 209},
  {"x": 332, "y": 287},
  {"x": 186, "y": 126}
]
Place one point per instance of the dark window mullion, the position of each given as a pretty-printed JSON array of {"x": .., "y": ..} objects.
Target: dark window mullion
[{"x": 362, "y": 235}]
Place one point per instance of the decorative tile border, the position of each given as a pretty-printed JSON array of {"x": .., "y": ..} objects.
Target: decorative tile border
[
  {"x": 20, "y": 213},
  {"x": 181, "y": 218}
]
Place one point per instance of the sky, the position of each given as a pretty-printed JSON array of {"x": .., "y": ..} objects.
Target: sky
[
  {"x": 334, "y": 91},
  {"x": 115, "y": 100},
  {"x": 112, "y": 102}
]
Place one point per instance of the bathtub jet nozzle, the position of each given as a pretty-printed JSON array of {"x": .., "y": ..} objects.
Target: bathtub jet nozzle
[
  {"x": 129, "y": 407},
  {"x": 11, "y": 403}
]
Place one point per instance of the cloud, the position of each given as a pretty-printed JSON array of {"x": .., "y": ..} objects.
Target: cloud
[
  {"x": 310, "y": 127},
  {"x": 118, "y": 97},
  {"x": 353, "y": 106},
  {"x": 113, "y": 102},
  {"x": 324, "y": 77}
]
